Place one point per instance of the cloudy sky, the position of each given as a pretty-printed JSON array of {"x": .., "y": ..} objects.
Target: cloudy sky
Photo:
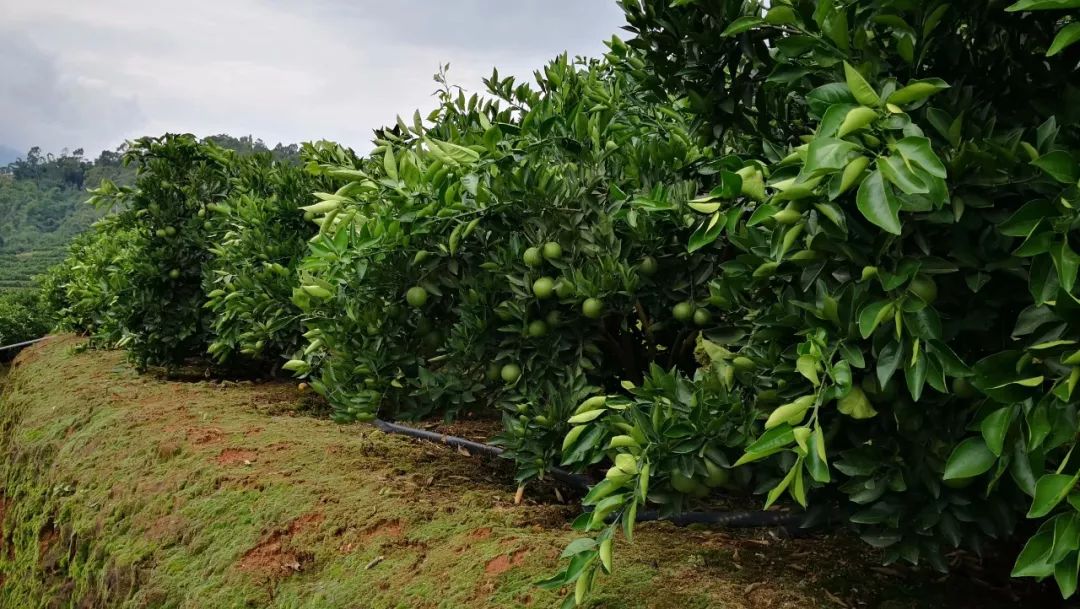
[{"x": 91, "y": 73}]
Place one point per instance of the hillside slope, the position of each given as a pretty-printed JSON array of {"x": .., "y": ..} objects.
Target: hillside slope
[{"x": 120, "y": 490}]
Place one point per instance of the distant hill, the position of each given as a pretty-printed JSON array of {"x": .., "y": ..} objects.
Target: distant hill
[{"x": 42, "y": 201}]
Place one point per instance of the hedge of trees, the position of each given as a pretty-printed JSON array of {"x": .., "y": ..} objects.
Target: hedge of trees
[{"x": 819, "y": 252}]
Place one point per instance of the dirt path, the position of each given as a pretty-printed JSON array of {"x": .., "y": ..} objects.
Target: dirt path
[{"x": 121, "y": 490}]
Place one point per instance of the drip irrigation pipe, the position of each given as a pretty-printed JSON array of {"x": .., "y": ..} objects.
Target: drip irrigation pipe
[
  {"x": 731, "y": 519},
  {"x": 563, "y": 476},
  {"x": 25, "y": 343}
]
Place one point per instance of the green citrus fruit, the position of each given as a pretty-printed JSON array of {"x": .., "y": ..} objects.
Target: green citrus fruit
[
  {"x": 160, "y": 233},
  {"x": 416, "y": 296},
  {"x": 309, "y": 216},
  {"x": 924, "y": 287},
  {"x": 174, "y": 274},
  {"x": 532, "y": 257},
  {"x": 503, "y": 312},
  {"x": 544, "y": 287},
  {"x": 553, "y": 318},
  {"x": 683, "y": 311},
  {"x": 552, "y": 250},
  {"x": 702, "y": 317},
  {"x": 593, "y": 308},
  {"x": 564, "y": 289},
  {"x": 718, "y": 476},
  {"x": 648, "y": 266},
  {"x": 717, "y": 299},
  {"x": 743, "y": 364},
  {"x": 510, "y": 373},
  {"x": 537, "y": 328},
  {"x": 492, "y": 373},
  {"x": 170, "y": 230},
  {"x": 683, "y": 484}
]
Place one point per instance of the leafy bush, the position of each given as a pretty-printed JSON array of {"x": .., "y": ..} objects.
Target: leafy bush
[
  {"x": 261, "y": 237},
  {"x": 84, "y": 292},
  {"x": 22, "y": 316}
]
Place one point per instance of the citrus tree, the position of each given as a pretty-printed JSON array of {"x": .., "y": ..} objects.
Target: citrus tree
[
  {"x": 901, "y": 305},
  {"x": 260, "y": 236},
  {"x": 178, "y": 182},
  {"x": 517, "y": 252}
]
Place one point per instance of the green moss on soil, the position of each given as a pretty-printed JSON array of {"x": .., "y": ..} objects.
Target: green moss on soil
[{"x": 121, "y": 490}]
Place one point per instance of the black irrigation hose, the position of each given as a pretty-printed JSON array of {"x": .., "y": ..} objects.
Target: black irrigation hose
[
  {"x": 563, "y": 476},
  {"x": 735, "y": 519},
  {"x": 25, "y": 343}
]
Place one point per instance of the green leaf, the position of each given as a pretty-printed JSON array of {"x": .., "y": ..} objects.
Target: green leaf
[
  {"x": 1059, "y": 165},
  {"x": 1066, "y": 262},
  {"x": 774, "y": 438},
  {"x": 1032, "y": 561},
  {"x": 1066, "y": 536},
  {"x": 915, "y": 374},
  {"x": 1064, "y": 39},
  {"x": 1050, "y": 490},
  {"x": 856, "y": 405},
  {"x": 390, "y": 164},
  {"x": 888, "y": 361},
  {"x": 901, "y": 176},
  {"x": 918, "y": 150},
  {"x": 825, "y": 96},
  {"x": 780, "y": 15},
  {"x": 741, "y": 25},
  {"x": 706, "y": 233},
  {"x": 863, "y": 92},
  {"x": 856, "y": 119},
  {"x": 872, "y": 315},
  {"x": 1065, "y": 574},
  {"x": 777, "y": 490},
  {"x": 1042, "y": 5},
  {"x": 878, "y": 205},
  {"x": 917, "y": 90},
  {"x": 817, "y": 462},
  {"x": 807, "y": 366},
  {"x": 994, "y": 427},
  {"x": 969, "y": 459},
  {"x": 1025, "y": 219},
  {"x": 578, "y": 546},
  {"x": 826, "y": 155}
]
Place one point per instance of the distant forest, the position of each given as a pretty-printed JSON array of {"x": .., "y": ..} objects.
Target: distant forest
[{"x": 43, "y": 202}]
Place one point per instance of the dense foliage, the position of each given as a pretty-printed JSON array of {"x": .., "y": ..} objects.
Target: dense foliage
[
  {"x": 197, "y": 256},
  {"x": 22, "y": 316},
  {"x": 819, "y": 250}
]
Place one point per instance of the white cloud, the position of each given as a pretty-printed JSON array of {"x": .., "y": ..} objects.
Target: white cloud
[{"x": 99, "y": 72}]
